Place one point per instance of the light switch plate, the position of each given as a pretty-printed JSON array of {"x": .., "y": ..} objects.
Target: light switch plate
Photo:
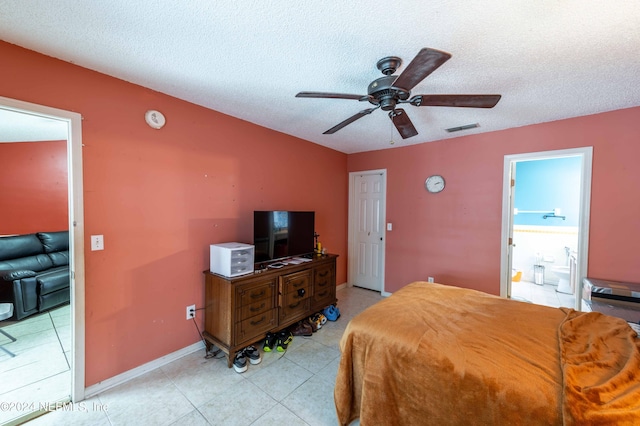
[
  {"x": 97, "y": 242},
  {"x": 389, "y": 226}
]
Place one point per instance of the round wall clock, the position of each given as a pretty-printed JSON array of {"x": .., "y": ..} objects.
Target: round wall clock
[
  {"x": 434, "y": 183},
  {"x": 154, "y": 119}
]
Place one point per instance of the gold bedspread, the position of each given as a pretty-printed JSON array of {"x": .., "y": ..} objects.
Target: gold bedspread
[{"x": 435, "y": 354}]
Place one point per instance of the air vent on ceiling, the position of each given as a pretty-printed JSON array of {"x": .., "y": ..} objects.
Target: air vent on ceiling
[{"x": 465, "y": 127}]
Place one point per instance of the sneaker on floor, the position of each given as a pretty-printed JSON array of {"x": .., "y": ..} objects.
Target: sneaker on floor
[
  {"x": 240, "y": 363},
  {"x": 252, "y": 354},
  {"x": 269, "y": 342},
  {"x": 284, "y": 338},
  {"x": 332, "y": 312}
]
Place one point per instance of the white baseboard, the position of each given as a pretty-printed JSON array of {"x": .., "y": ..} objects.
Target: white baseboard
[
  {"x": 109, "y": 383},
  {"x": 341, "y": 286}
]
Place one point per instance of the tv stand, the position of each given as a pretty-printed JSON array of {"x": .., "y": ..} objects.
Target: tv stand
[{"x": 240, "y": 311}]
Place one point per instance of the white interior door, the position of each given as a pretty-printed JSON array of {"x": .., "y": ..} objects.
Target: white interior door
[{"x": 367, "y": 229}]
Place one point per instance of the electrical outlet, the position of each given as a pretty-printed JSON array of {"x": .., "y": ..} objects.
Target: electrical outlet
[
  {"x": 430, "y": 279},
  {"x": 97, "y": 242},
  {"x": 191, "y": 311}
]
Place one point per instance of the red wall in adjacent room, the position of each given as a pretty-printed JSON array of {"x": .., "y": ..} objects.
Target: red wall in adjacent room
[
  {"x": 160, "y": 197},
  {"x": 33, "y": 187},
  {"x": 454, "y": 236}
]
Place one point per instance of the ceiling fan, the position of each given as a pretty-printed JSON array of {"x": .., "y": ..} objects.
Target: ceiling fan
[{"x": 389, "y": 91}]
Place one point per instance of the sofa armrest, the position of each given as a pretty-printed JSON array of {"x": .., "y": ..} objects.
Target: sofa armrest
[{"x": 16, "y": 274}]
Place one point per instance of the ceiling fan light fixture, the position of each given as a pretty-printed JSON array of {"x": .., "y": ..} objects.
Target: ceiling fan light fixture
[
  {"x": 389, "y": 91},
  {"x": 460, "y": 128}
]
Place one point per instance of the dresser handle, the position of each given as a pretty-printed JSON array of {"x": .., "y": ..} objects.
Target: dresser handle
[
  {"x": 323, "y": 274},
  {"x": 301, "y": 292},
  {"x": 294, "y": 305},
  {"x": 324, "y": 293},
  {"x": 322, "y": 283},
  {"x": 257, "y": 309},
  {"x": 259, "y": 321},
  {"x": 298, "y": 284},
  {"x": 258, "y": 296}
]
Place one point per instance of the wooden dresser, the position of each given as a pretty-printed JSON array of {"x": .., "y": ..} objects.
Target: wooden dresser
[{"x": 240, "y": 311}]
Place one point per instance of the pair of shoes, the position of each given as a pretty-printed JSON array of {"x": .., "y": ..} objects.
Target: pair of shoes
[
  {"x": 240, "y": 360},
  {"x": 284, "y": 338},
  {"x": 302, "y": 328},
  {"x": 269, "y": 342},
  {"x": 331, "y": 312}
]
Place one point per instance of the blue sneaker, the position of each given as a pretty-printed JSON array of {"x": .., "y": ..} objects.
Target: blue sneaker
[{"x": 331, "y": 312}]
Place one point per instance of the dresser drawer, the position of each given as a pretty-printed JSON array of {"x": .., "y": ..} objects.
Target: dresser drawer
[
  {"x": 252, "y": 294},
  {"x": 253, "y": 329},
  {"x": 294, "y": 311},
  {"x": 292, "y": 283},
  {"x": 255, "y": 308},
  {"x": 296, "y": 296},
  {"x": 324, "y": 287},
  {"x": 323, "y": 278},
  {"x": 323, "y": 297}
]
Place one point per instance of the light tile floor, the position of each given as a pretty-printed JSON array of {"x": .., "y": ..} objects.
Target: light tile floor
[
  {"x": 294, "y": 388},
  {"x": 543, "y": 295},
  {"x": 40, "y": 371}
]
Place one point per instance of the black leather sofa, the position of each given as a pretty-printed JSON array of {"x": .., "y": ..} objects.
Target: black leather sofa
[{"x": 34, "y": 272}]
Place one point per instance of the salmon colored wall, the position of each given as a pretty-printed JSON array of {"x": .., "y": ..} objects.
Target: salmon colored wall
[
  {"x": 33, "y": 184},
  {"x": 454, "y": 236},
  {"x": 160, "y": 197}
]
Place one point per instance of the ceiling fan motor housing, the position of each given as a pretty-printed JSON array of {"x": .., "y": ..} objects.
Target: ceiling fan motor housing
[{"x": 385, "y": 94}]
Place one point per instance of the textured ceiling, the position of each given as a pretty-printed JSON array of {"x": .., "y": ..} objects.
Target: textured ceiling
[{"x": 549, "y": 59}]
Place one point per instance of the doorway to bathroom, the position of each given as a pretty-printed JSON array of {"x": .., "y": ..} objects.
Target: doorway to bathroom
[{"x": 545, "y": 218}]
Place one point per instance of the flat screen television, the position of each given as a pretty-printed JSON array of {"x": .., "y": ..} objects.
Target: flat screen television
[{"x": 282, "y": 234}]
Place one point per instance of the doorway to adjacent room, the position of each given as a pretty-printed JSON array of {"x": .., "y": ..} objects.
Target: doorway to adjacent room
[
  {"x": 540, "y": 240},
  {"x": 29, "y": 402}
]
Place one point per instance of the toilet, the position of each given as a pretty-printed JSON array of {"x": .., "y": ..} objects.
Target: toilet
[{"x": 564, "y": 274}]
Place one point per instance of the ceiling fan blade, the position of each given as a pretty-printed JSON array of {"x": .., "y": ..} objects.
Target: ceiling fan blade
[
  {"x": 469, "y": 101},
  {"x": 425, "y": 62},
  {"x": 349, "y": 121},
  {"x": 332, "y": 96},
  {"x": 403, "y": 123}
]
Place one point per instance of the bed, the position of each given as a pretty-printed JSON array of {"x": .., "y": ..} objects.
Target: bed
[{"x": 437, "y": 354}]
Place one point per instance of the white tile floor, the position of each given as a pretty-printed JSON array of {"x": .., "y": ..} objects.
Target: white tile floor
[
  {"x": 542, "y": 295},
  {"x": 41, "y": 367},
  {"x": 294, "y": 388}
]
